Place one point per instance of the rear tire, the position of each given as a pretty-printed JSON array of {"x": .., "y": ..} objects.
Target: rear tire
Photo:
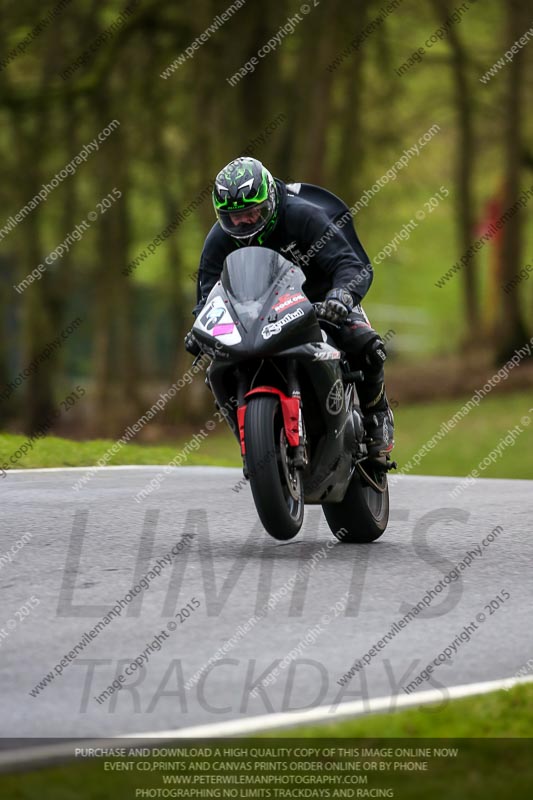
[
  {"x": 280, "y": 511},
  {"x": 363, "y": 515}
]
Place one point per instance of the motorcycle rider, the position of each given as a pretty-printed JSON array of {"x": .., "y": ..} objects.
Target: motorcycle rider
[{"x": 254, "y": 208}]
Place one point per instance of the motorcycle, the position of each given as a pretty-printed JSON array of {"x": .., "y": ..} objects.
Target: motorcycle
[{"x": 289, "y": 397}]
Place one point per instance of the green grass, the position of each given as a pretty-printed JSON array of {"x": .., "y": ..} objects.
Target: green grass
[
  {"x": 457, "y": 454},
  {"x": 473, "y": 438},
  {"x": 218, "y": 449},
  {"x": 503, "y": 714},
  {"x": 484, "y": 768}
]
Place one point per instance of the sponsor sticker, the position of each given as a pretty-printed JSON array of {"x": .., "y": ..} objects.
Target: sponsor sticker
[
  {"x": 288, "y": 300},
  {"x": 273, "y": 328}
]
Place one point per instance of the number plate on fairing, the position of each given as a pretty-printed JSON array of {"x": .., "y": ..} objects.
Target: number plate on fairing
[{"x": 217, "y": 321}]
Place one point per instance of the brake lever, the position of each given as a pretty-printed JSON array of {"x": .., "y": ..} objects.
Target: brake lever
[{"x": 319, "y": 311}]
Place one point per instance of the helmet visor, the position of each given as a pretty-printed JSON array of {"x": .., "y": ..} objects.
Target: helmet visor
[{"x": 248, "y": 221}]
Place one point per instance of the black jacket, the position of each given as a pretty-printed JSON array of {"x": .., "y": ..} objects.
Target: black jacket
[{"x": 305, "y": 235}]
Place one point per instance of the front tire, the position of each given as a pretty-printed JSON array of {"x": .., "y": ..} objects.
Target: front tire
[
  {"x": 363, "y": 514},
  {"x": 276, "y": 488}
]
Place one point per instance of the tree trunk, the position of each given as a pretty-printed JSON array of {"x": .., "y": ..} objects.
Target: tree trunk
[
  {"x": 37, "y": 316},
  {"x": 115, "y": 360},
  {"x": 346, "y": 175},
  {"x": 511, "y": 331},
  {"x": 464, "y": 172}
]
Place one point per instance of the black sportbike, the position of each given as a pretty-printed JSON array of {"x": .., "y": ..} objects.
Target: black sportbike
[{"x": 290, "y": 399}]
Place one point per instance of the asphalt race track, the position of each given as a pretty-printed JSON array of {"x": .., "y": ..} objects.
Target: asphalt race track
[{"x": 330, "y": 603}]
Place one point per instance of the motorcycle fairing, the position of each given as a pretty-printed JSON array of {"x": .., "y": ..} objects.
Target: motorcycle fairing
[{"x": 260, "y": 294}]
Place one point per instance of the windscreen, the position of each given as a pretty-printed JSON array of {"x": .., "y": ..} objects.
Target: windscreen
[{"x": 249, "y": 272}]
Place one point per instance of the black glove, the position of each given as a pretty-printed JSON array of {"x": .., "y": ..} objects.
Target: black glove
[
  {"x": 337, "y": 305},
  {"x": 191, "y": 345}
]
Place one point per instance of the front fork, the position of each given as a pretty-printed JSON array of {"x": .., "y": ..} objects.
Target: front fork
[
  {"x": 292, "y": 415},
  {"x": 299, "y": 454}
]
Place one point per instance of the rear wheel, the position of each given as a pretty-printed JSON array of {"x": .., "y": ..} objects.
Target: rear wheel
[
  {"x": 276, "y": 485},
  {"x": 364, "y": 513}
]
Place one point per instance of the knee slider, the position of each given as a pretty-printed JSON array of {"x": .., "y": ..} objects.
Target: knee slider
[{"x": 375, "y": 353}]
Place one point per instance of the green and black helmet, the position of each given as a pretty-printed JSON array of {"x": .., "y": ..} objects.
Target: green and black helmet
[{"x": 245, "y": 199}]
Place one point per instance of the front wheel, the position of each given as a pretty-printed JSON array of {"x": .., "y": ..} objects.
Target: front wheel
[
  {"x": 364, "y": 513},
  {"x": 277, "y": 487}
]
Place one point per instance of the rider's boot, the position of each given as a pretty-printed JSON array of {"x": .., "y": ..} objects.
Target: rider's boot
[
  {"x": 379, "y": 429},
  {"x": 377, "y": 414}
]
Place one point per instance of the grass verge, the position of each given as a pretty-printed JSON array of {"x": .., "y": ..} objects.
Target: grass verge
[
  {"x": 483, "y": 768},
  {"x": 458, "y": 453},
  {"x": 502, "y": 714}
]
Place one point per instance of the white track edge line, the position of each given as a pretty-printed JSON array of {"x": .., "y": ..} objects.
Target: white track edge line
[
  {"x": 42, "y": 755},
  {"x": 113, "y": 467},
  {"x": 354, "y": 708},
  {"x": 399, "y": 477}
]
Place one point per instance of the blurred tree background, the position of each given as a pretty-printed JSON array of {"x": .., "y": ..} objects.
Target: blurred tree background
[{"x": 331, "y": 104}]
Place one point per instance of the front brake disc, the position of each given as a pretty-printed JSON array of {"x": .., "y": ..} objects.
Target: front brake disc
[{"x": 292, "y": 476}]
